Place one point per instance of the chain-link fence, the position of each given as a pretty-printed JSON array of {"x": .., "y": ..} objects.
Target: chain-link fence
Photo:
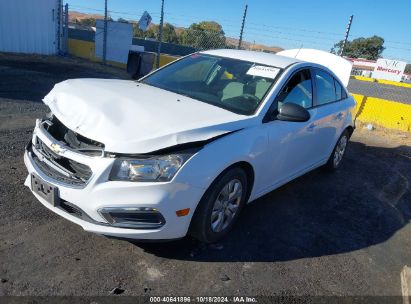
[
  {"x": 182, "y": 34},
  {"x": 200, "y": 36}
]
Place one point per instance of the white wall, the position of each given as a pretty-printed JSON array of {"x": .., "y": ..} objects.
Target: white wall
[
  {"x": 389, "y": 69},
  {"x": 119, "y": 40},
  {"x": 28, "y": 26}
]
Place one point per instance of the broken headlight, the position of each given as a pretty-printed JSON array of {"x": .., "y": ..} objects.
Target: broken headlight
[{"x": 155, "y": 169}]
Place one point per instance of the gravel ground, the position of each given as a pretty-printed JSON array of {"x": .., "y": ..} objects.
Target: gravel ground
[
  {"x": 346, "y": 233},
  {"x": 380, "y": 90}
]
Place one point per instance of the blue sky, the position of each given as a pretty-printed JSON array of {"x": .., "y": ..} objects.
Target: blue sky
[{"x": 288, "y": 24}]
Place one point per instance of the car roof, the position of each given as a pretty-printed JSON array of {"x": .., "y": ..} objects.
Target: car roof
[{"x": 253, "y": 56}]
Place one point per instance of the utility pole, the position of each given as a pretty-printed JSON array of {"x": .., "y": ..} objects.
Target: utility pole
[
  {"x": 105, "y": 33},
  {"x": 160, "y": 34},
  {"x": 242, "y": 27},
  {"x": 59, "y": 33},
  {"x": 347, "y": 32},
  {"x": 65, "y": 30}
]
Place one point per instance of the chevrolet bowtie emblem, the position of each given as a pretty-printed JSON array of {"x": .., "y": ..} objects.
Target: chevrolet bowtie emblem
[{"x": 56, "y": 148}]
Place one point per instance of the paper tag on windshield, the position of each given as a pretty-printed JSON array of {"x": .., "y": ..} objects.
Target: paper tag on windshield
[{"x": 263, "y": 71}]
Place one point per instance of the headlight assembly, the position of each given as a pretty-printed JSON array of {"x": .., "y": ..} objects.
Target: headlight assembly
[{"x": 154, "y": 169}]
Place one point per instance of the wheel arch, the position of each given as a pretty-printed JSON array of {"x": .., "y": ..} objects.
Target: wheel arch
[
  {"x": 350, "y": 130},
  {"x": 249, "y": 172}
]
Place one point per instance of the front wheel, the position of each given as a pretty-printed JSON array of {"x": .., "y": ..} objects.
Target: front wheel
[
  {"x": 336, "y": 157},
  {"x": 220, "y": 206}
]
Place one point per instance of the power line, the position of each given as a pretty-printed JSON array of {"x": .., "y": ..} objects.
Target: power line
[
  {"x": 257, "y": 27},
  {"x": 138, "y": 14},
  {"x": 290, "y": 39},
  {"x": 88, "y": 8},
  {"x": 264, "y": 26},
  {"x": 397, "y": 42},
  {"x": 281, "y": 33},
  {"x": 397, "y": 48},
  {"x": 255, "y": 30},
  {"x": 249, "y": 30}
]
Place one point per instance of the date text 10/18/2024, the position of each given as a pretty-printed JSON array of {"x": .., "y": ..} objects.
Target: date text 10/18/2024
[{"x": 235, "y": 299}]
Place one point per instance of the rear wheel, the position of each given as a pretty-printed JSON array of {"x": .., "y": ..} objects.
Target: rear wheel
[
  {"x": 336, "y": 157},
  {"x": 220, "y": 206}
]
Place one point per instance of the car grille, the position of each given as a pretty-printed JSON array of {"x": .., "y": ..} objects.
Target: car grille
[
  {"x": 76, "y": 212},
  {"x": 71, "y": 209},
  {"x": 73, "y": 140},
  {"x": 58, "y": 167}
]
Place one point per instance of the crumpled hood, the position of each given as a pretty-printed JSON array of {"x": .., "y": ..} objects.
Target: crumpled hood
[{"x": 131, "y": 117}]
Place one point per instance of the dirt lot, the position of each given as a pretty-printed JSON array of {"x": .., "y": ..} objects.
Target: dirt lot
[{"x": 346, "y": 233}]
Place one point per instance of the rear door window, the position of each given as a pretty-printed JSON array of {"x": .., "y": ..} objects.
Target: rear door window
[
  {"x": 338, "y": 90},
  {"x": 326, "y": 92}
]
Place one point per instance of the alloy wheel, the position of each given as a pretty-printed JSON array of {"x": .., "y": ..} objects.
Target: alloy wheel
[
  {"x": 226, "y": 205},
  {"x": 340, "y": 150}
]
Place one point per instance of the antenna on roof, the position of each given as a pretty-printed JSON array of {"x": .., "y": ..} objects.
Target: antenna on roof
[{"x": 298, "y": 51}]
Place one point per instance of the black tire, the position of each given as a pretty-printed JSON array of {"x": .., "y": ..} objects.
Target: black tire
[
  {"x": 201, "y": 225},
  {"x": 331, "y": 164}
]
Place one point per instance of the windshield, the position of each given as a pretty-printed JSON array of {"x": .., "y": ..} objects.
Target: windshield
[{"x": 236, "y": 85}]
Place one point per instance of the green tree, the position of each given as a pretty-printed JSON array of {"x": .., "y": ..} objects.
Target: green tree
[
  {"x": 169, "y": 32},
  {"x": 137, "y": 32},
  {"x": 408, "y": 68},
  {"x": 206, "y": 34},
  {"x": 369, "y": 48}
]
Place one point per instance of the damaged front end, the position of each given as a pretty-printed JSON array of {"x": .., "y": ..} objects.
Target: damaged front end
[
  {"x": 48, "y": 150},
  {"x": 72, "y": 139},
  {"x": 62, "y": 154}
]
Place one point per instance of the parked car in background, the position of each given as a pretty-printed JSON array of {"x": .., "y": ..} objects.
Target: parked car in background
[{"x": 182, "y": 150}]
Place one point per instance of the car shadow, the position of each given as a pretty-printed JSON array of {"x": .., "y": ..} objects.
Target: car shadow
[{"x": 362, "y": 204}]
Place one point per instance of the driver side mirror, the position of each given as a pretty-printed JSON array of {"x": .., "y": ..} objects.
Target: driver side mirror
[{"x": 293, "y": 112}]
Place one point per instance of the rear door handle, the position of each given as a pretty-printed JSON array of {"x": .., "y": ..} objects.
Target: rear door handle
[{"x": 339, "y": 116}]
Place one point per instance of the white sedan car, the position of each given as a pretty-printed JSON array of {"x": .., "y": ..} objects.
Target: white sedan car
[{"x": 182, "y": 150}]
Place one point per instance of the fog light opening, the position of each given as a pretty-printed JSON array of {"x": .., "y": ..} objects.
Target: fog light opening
[{"x": 133, "y": 217}]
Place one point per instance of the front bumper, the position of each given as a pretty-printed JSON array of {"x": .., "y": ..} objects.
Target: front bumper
[{"x": 100, "y": 193}]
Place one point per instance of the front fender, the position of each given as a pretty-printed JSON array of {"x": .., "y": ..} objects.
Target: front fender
[{"x": 247, "y": 145}]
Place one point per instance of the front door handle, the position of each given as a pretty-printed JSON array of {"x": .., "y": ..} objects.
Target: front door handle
[{"x": 311, "y": 127}]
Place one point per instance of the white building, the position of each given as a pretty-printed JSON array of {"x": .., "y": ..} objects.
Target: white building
[
  {"x": 28, "y": 26},
  {"x": 362, "y": 67},
  {"x": 365, "y": 67}
]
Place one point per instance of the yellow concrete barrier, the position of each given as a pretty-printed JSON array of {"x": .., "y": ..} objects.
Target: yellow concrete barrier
[
  {"x": 386, "y": 113},
  {"x": 389, "y": 82},
  {"x": 164, "y": 59},
  {"x": 86, "y": 49},
  {"x": 81, "y": 48},
  {"x": 362, "y": 78},
  {"x": 394, "y": 83}
]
